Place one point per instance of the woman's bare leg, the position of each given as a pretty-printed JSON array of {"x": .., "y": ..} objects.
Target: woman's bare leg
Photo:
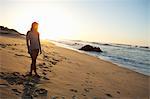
[
  {"x": 34, "y": 60},
  {"x": 34, "y": 68},
  {"x": 33, "y": 64},
  {"x": 31, "y": 69}
]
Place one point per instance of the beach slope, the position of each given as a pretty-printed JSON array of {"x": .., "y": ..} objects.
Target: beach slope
[{"x": 65, "y": 74}]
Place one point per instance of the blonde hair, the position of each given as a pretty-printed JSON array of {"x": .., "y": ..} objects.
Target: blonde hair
[{"x": 34, "y": 26}]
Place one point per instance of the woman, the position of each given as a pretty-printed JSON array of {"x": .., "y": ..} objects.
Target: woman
[{"x": 33, "y": 45}]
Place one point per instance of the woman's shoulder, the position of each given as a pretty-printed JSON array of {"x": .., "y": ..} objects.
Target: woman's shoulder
[
  {"x": 28, "y": 35},
  {"x": 28, "y": 32},
  {"x": 38, "y": 33}
]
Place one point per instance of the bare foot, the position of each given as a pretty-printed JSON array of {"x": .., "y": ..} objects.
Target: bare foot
[{"x": 37, "y": 75}]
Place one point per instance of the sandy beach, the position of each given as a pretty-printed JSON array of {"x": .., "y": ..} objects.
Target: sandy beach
[{"x": 65, "y": 74}]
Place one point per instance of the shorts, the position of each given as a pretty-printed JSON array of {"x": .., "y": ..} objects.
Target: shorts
[{"x": 34, "y": 52}]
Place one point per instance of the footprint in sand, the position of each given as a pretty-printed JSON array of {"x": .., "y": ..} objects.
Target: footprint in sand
[
  {"x": 13, "y": 78},
  {"x": 88, "y": 82},
  {"x": 53, "y": 62},
  {"x": 28, "y": 82},
  {"x": 118, "y": 92},
  {"x": 44, "y": 63},
  {"x": 55, "y": 59},
  {"x": 54, "y": 97},
  {"x": 109, "y": 95},
  {"x": 31, "y": 90},
  {"x": 13, "y": 48},
  {"x": 41, "y": 64},
  {"x": 44, "y": 73},
  {"x": 44, "y": 70},
  {"x": 74, "y": 97},
  {"x": 16, "y": 91},
  {"x": 22, "y": 55},
  {"x": 45, "y": 56},
  {"x": 19, "y": 55},
  {"x": 83, "y": 94},
  {"x": 73, "y": 90},
  {"x": 3, "y": 85},
  {"x": 3, "y": 45},
  {"x": 87, "y": 85},
  {"x": 87, "y": 89},
  {"x": 49, "y": 70},
  {"x": 45, "y": 78}
]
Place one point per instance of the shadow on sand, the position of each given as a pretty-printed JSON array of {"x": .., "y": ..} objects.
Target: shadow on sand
[{"x": 29, "y": 83}]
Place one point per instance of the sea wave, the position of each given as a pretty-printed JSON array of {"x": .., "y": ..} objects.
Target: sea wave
[{"x": 136, "y": 58}]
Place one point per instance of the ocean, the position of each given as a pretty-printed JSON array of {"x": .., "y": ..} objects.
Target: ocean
[{"x": 136, "y": 58}]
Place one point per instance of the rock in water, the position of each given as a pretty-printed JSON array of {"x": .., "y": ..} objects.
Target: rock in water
[{"x": 90, "y": 48}]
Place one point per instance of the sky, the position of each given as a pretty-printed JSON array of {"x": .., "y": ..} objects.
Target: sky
[{"x": 107, "y": 21}]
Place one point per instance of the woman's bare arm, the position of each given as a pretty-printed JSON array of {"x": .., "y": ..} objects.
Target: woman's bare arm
[
  {"x": 39, "y": 44},
  {"x": 27, "y": 41}
]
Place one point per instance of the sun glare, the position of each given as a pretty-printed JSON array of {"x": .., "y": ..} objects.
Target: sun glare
[
  {"x": 55, "y": 24},
  {"x": 58, "y": 20}
]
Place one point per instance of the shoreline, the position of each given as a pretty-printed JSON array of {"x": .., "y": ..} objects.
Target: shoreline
[
  {"x": 67, "y": 73},
  {"x": 101, "y": 58}
]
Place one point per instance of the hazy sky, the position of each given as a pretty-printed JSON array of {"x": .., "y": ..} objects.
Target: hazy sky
[{"x": 114, "y": 21}]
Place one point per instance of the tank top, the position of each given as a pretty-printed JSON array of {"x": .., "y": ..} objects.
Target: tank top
[{"x": 34, "y": 40}]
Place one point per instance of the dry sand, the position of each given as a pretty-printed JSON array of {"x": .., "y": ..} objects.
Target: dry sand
[{"x": 65, "y": 74}]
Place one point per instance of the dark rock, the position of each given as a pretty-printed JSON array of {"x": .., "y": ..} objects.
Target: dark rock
[
  {"x": 90, "y": 48},
  {"x": 144, "y": 47},
  {"x": 107, "y": 44},
  {"x": 75, "y": 44}
]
